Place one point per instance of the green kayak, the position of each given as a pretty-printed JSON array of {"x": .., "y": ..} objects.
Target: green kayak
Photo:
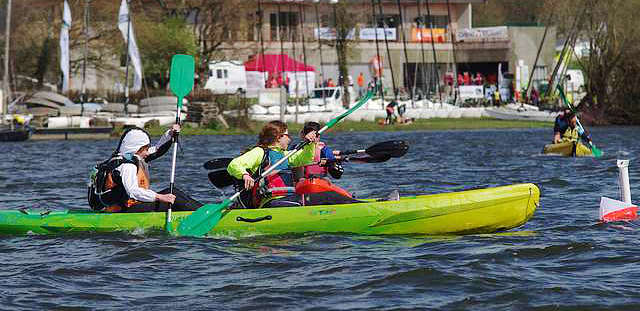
[{"x": 473, "y": 211}]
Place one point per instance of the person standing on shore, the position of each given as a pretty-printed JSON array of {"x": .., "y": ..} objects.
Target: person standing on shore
[{"x": 360, "y": 84}]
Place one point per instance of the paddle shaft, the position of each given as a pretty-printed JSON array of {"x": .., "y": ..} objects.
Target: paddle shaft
[
  {"x": 347, "y": 152},
  {"x": 173, "y": 162}
]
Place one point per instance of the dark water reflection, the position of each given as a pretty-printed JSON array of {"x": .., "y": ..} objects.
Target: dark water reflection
[{"x": 561, "y": 259}]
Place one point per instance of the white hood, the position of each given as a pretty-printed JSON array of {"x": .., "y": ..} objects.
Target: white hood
[{"x": 133, "y": 141}]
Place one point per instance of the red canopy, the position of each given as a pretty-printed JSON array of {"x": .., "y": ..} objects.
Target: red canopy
[{"x": 274, "y": 63}]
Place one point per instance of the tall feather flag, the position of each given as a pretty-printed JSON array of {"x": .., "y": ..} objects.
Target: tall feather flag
[
  {"x": 125, "y": 26},
  {"x": 64, "y": 46}
]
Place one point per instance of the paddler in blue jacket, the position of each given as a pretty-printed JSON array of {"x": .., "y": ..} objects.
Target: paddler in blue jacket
[
  {"x": 324, "y": 160},
  {"x": 566, "y": 128}
]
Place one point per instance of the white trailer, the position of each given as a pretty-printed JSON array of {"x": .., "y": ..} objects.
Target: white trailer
[{"x": 226, "y": 77}]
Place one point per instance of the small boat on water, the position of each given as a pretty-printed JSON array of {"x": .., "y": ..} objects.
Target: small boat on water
[
  {"x": 15, "y": 128},
  {"x": 16, "y": 134},
  {"x": 466, "y": 212},
  {"x": 568, "y": 149},
  {"x": 509, "y": 113}
]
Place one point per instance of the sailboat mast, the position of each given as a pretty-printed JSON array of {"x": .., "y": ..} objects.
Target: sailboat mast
[
  {"x": 435, "y": 58},
  {"x": 7, "y": 89},
  {"x": 83, "y": 97},
  {"x": 456, "y": 87},
  {"x": 324, "y": 78}
]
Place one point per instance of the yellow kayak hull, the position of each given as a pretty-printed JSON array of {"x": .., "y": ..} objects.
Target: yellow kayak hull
[
  {"x": 568, "y": 149},
  {"x": 466, "y": 212}
]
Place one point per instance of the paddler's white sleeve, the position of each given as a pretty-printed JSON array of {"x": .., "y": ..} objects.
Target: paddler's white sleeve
[{"x": 129, "y": 175}]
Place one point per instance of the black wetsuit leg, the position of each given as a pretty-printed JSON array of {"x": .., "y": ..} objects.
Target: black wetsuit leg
[{"x": 183, "y": 202}]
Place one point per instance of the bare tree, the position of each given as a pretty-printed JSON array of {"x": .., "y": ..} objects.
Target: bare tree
[
  {"x": 35, "y": 31},
  {"x": 218, "y": 24},
  {"x": 612, "y": 62},
  {"x": 345, "y": 21}
]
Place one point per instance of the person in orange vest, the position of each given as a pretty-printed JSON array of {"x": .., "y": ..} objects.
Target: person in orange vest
[{"x": 360, "y": 84}]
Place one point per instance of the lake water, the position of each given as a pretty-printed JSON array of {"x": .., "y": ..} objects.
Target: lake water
[{"x": 561, "y": 259}]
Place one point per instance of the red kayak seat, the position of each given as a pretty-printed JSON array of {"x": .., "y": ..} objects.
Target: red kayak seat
[{"x": 318, "y": 185}]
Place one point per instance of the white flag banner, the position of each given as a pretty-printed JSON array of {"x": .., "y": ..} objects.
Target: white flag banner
[
  {"x": 124, "y": 24},
  {"x": 64, "y": 46}
]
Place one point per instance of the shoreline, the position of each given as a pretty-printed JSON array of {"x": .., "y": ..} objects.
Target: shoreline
[{"x": 435, "y": 124}]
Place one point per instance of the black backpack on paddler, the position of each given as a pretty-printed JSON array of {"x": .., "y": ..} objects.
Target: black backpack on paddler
[{"x": 98, "y": 196}]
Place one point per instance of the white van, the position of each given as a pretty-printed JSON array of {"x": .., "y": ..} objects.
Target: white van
[
  {"x": 226, "y": 77},
  {"x": 330, "y": 96}
]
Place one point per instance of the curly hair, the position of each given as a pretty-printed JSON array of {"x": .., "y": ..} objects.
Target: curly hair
[{"x": 270, "y": 133}]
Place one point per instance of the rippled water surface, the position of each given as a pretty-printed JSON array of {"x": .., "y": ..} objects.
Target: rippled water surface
[{"x": 561, "y": 259}]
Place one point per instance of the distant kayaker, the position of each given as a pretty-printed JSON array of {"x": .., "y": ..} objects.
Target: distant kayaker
[
  {"x": 128, "y": 180},
  {"x": 277, "y": 189},
  {"x": 324, "y": 159},
  {"x": 566, "y": 128}
]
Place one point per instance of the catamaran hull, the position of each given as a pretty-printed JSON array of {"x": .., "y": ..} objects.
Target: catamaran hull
[{"x": 475, "y": 211}]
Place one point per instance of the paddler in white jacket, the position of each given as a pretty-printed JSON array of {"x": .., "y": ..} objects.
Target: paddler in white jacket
[{"x": 133, "y": 175}]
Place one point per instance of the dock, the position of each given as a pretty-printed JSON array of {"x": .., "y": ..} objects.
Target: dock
[{"x": 66, "y": 133}]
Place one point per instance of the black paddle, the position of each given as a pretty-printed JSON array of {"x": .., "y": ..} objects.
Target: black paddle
[
  {"x": 392, "y": 148},
  {"x": 217, "y": 163},
  {"x": 221, "y": 179}
]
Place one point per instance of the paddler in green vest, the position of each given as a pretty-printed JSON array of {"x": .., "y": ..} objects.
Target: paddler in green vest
[
  {"x": 569, "y": 131},
  {"x": 276, "y": 189}
]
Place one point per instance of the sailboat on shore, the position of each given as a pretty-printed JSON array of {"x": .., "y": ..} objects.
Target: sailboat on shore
[{"x": 12, "y": 128}]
